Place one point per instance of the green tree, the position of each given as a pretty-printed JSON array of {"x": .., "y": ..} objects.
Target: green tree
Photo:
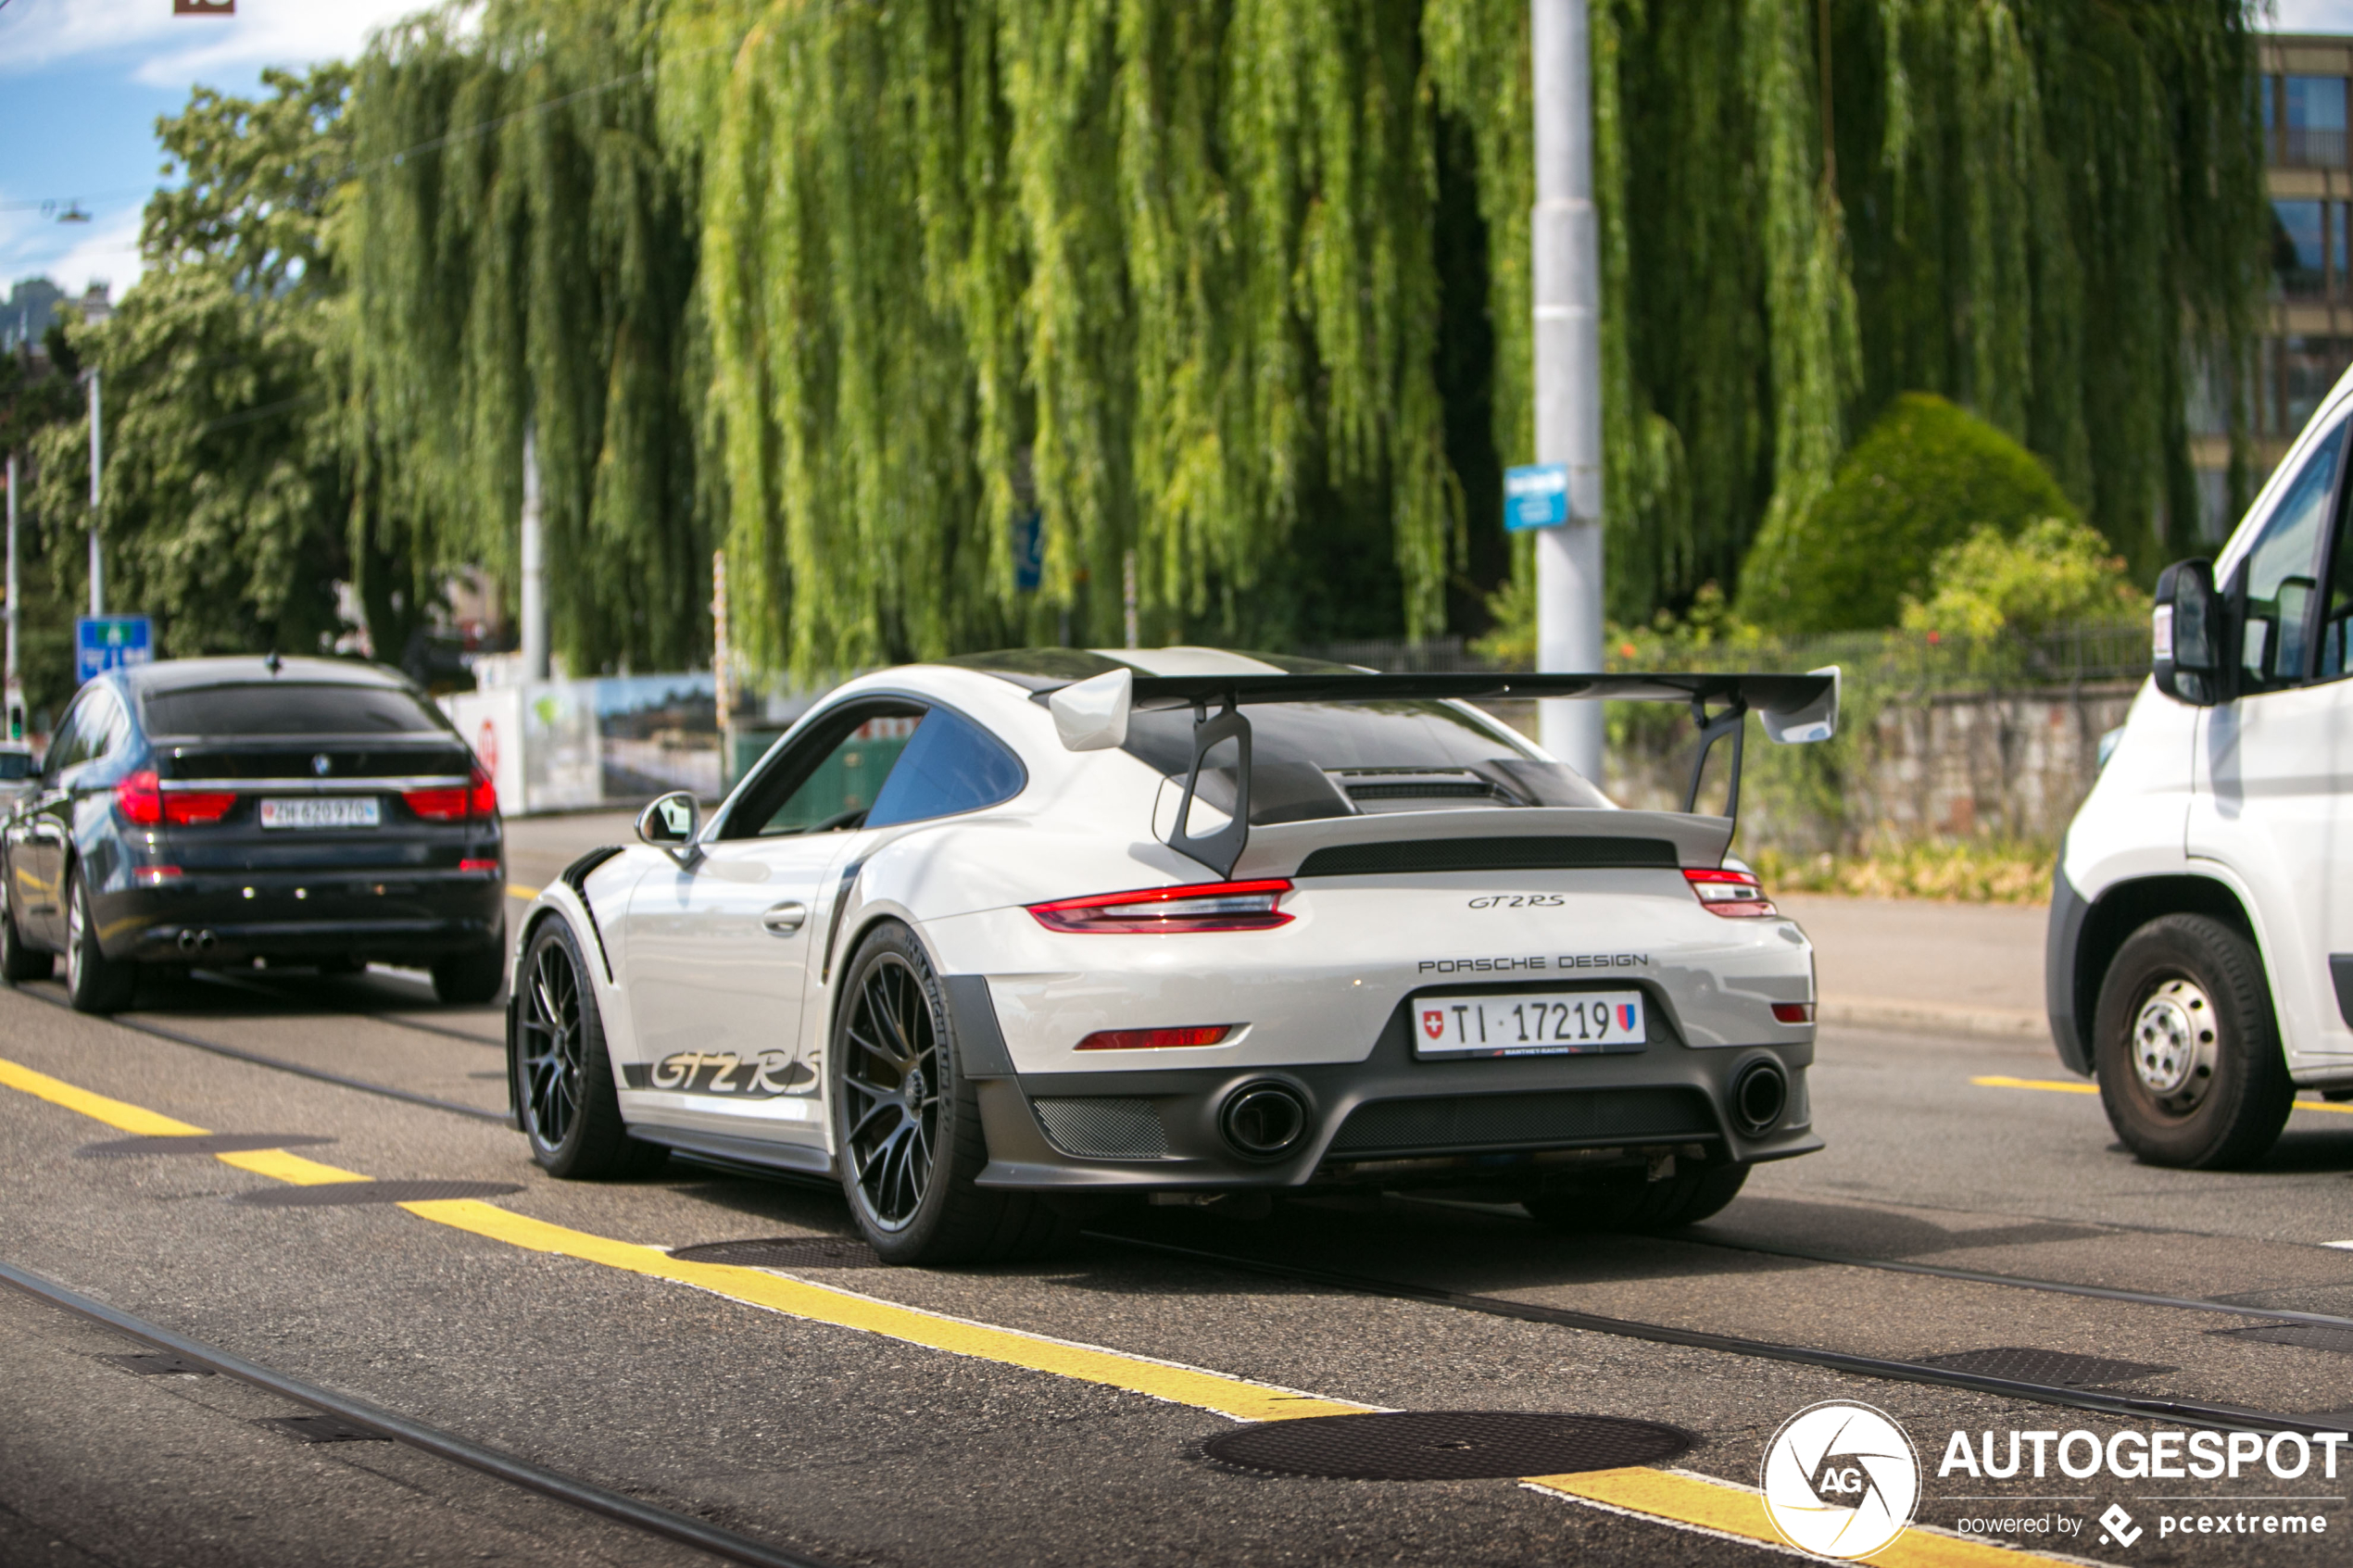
[{"x": 1924, "y": 478}]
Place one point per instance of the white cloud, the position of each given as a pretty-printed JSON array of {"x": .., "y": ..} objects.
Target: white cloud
[
  {"x": 108, "y": 251},
  {"x": 176, "y": 50},
  {"x": 2312, "y": 16}
]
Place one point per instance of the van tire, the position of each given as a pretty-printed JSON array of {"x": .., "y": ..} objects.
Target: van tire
[{"x": 2187, "y": 1049}]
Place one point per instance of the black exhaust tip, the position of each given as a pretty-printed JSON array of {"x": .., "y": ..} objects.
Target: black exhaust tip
[
  {"x": 187, "y": 941},
  {"x": 1760, "y": 1096},
  {"x": 1264, "y": 1120}
]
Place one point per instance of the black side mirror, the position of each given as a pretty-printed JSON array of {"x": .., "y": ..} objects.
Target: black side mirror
[{"x": 2185, "y": 634}]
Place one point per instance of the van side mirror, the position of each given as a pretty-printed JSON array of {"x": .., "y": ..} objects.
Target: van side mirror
[
  {"x": 2185, "y": 634},
  {"x": 669, "y": 824}
]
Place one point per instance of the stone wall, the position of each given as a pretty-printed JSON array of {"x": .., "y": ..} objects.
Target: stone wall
[{"x": 2012, "y": 766}]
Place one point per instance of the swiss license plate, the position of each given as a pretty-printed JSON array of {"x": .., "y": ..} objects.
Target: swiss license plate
[
  {"x": 322, "y": 811},
  {"x": 1543, "y": 1023}
]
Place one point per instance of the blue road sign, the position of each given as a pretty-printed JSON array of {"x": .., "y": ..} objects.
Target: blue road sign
[
  {"x": 1029, "y": 551},
  {"x": 1535, "y": 497},
  {"x": 112, "y": 642}
]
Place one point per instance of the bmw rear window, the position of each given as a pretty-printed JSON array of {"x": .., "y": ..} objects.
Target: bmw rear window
[{"x": 285, "y": 709}]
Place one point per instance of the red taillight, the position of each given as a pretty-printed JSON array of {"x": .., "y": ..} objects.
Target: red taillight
[
  {"x": 1734, "y": 895},
  {"x": 478, "y": 800},
  {"x": 1156, "y": 1039},
  {"x": 1792, "y": 1013},
  {"x": 140, "y": 798},
  {"x": 1199, "y": 906},
  {"x": 478, "y": 868},
  {"x": 197, "y": 808}
]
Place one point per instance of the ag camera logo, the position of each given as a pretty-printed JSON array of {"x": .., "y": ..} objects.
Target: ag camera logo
[{"x": 1841, "y": 1480}]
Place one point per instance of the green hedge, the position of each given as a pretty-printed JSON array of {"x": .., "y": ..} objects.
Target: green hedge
[{"x": 1924, "y": 477}]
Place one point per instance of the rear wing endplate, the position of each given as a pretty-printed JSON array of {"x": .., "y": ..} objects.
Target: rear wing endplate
[{"x": 1092, "y": 715}]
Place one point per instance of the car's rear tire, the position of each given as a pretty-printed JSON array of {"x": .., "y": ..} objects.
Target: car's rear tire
[
  {"x": 560, "y": 1074},
  {"x": 95, "y": 983},
  {"x": 18, "y": 962},
  {"x": 2188, "y": 1053},
  {"x": 907, "y": 1132},
  {"x": 1627, "y": 1200},
  {"x": 470, "y": 979}
]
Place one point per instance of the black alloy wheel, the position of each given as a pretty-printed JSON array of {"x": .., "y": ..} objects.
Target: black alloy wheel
[
  {"x": 18, "y": 962},
  {"x": 562, "y": 1077},
  {"x": 95, "y": 983},
  {"x": 891, "y": 1081},
  {"x": 907, "y": 1131}
]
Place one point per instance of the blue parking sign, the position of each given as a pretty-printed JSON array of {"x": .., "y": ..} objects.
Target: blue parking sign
[
  {"x": 1535, "y": 497},
  {"x": 112, "y": 642}
]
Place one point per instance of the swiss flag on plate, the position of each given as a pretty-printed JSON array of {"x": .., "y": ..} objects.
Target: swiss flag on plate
[
  {"x": 204, "y": 7},
  {"x": 1433, "y": 1022}
]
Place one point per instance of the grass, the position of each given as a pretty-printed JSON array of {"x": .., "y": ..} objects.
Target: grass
[{"x": 1966, "y": 872}]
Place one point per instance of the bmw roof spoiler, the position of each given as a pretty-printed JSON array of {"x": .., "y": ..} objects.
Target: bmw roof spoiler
[{"x": 1091, "y": 715}]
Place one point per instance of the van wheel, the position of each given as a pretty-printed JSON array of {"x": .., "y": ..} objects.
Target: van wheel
[
  {"x": 1629, "y": 1200},
  {"x": 2187, "y": 1050}
]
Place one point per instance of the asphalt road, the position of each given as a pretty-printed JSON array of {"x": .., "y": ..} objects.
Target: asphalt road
[{"x": 824, "y": 1418}]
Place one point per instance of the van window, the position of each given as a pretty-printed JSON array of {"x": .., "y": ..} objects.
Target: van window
[{"x": 2282, "y": 569}]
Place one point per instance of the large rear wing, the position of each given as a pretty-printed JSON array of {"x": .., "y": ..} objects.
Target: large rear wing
[{"x": 1092, "y": 715}]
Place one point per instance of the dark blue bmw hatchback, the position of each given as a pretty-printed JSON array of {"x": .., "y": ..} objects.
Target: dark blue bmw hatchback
[{"x": 216, "y": 811}]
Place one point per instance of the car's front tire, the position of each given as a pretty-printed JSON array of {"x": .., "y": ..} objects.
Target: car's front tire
[
  {"x": 906, "y": 1130},
  {"x": 562, "y": 1075},
  {"x": 95, "y": 983},
  {"x": 18, "y": 962},
  {"x": 2187, "y": 1050},
  {"x": 1629, "y": 1200}
]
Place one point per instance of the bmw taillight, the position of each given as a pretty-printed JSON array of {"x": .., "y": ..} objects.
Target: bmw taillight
[
  {"x": 1735, "y": 894},
  {"x": 1197, "y": 905},
  {"x": 145, "y": 803},
  {"x": 478, "y": 799}
]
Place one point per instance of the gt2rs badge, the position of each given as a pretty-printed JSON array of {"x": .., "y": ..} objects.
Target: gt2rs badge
[{"x": 759, "y": 1076}]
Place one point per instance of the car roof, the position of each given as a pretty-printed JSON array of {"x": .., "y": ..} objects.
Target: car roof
[{"x": 179, "y": 675}]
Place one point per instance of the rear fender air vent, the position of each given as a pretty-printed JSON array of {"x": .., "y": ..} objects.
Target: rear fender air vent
[{"x": 1561, "y": 853}]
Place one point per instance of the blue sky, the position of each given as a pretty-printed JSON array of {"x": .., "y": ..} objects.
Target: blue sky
[{"x": 81, "y": 83}]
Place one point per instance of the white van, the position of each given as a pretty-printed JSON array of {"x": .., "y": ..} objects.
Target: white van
[{"x": 2200, "y": 954}]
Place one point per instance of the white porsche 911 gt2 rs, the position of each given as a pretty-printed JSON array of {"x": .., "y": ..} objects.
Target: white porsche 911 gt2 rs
[{"x": 992, "y": 939}]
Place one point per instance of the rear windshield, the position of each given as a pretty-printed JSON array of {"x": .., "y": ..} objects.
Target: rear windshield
[
  {"x": 1310, "y": 759},
  {"x": 288, "y": 709}
]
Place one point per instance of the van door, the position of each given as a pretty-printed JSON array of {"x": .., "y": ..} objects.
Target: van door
[{"x": 2273, "y": 795}]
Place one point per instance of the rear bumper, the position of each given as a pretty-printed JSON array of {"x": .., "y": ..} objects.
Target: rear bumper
[
  {"x": 387, "y": 917},
  {"x": 1388, "y": 1120}
]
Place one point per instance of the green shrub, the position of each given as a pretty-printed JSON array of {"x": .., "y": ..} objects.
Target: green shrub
[
  {"x": 2055, "y": 572},
  {"x": 1925, "y": 476}
]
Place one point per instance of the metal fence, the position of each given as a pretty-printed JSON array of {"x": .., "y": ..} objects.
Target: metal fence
[{"x": 2066, "y": 656}]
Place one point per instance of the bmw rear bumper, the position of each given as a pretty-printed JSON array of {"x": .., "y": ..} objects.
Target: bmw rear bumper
[{"x": 388, "y": 918}]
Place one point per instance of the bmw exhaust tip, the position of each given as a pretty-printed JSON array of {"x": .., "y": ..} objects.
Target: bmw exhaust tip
[
  {"x": 1760, "y": 1093},
  {"x": 187, "y": 941},
  {"x": 1264, "y": 1120}
]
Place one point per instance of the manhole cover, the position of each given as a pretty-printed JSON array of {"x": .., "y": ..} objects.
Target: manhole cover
[
  {"x": 784, "y": 1252},
  {"x": 2310, "y": 1335},
  {"x": 1446, "y": 1444},
  {"x": 328, "y": 1194},
  {"x": 2051, "y": 1368},
  {"x": 321, "y": 1429},
  {"x": 205, "y": 1143}
]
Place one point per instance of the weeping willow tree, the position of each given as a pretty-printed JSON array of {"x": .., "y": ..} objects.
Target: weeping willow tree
[
  {"x": 523, "y": 256},
  {"x": 1172, "y": 280}
]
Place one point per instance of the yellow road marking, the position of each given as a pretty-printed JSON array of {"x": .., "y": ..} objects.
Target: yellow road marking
[
  {"x": 1725, "y": 1509},
  {"x": 2061, "y": 1086},
  {"x": 99, "y": 1108},
  {"x": 1676, "y": 1498},
  {"x": 517, "y": 890},
  {"x": 1235, "y": 1396}
]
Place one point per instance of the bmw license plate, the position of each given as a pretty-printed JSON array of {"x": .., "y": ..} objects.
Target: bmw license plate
[
  {"x": 1544, "y": 1023},
  {"x": 322, "y": 811}
]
